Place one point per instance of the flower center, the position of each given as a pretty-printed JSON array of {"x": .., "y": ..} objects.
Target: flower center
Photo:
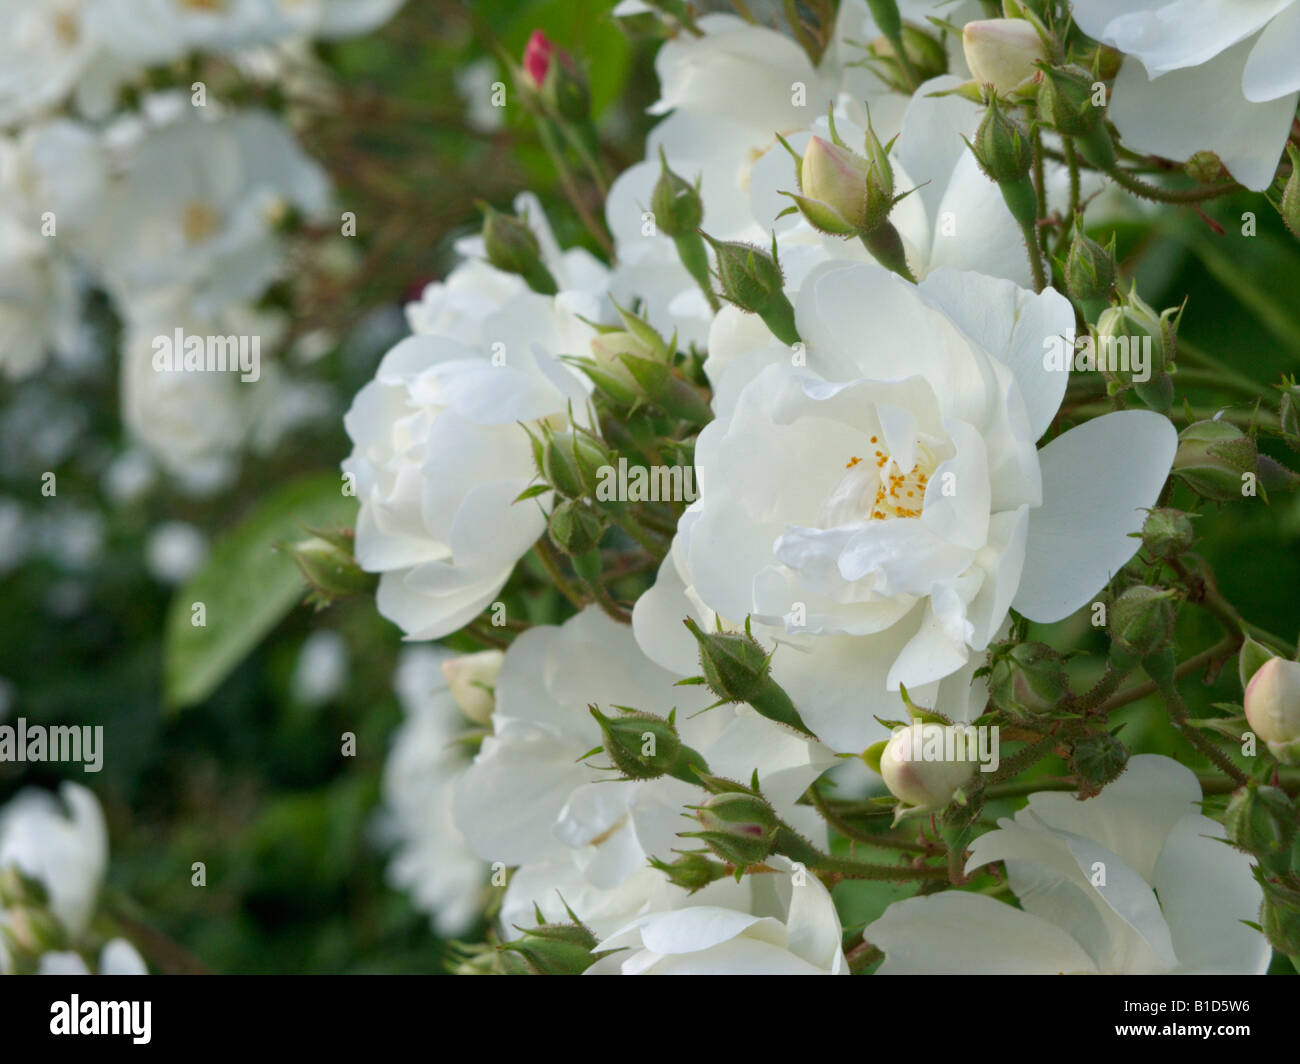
[
  {"x": 200, "y": 222},
  {"x": 898, "y": 492}
]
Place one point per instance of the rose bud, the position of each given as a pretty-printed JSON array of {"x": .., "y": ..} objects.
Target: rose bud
[
  {"x": 472, "y": 678},
  {"x": 1273, "y": 707},
  {"x": 1002, "y": 51},
  {"x": 916, "y": 778}
]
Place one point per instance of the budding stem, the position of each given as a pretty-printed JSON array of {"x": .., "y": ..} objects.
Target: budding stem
[{"x": 690, "y": 249}]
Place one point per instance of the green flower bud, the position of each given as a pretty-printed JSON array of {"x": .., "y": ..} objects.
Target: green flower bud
[
  {"x": 1291, "y": 193},
  {"x": 675, "y": 202},
  {"x": 1142, "y": 620},
  {"x": 1065, "y": 100},
  {"x": 571, "y": 463},
  {"x": 1213, "y": 458},
  {"x": 1028, "y": 678},
  {"x": 737, "y": 669},
  {"x": 751, "y": 279},
  {"x": 924, "y": 52},
  {"x": 1096, "y": 760},
  {"x": 749, "y": 276},
  {"x": 1167, "y": 533},
  {"x": 691, "y": 871},
  {"x": 1262, "y": 821},
  {"x": 331, "y": 570},
  {"x": 575, "y": 527},
  {"x": 1002, "y": 52},
  {"x": 738, "y": 826},
  {"x": 915, "y": 771},
  {"x": 1002, "y": 147},
  {"x": 1272, "y": 704},
  {"x": 1131, "y": 334},
  {"x": 1089, "y": 268},
  {"x": 556, "y": 949},
  {"x": 1280, "y": 916},
  {"x": 512, "y": 247},
  {"x": 1204, "y": 167},
  {"x": 645, "y": 747},
  {"x": 564, "y": 92}
]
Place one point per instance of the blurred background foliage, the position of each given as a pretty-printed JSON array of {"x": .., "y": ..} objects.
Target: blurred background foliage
[{"x": 249, "y": 778}]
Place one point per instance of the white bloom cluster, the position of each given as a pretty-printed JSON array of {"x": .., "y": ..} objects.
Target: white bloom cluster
[
  {"x": 174, "y": 208},
  {"x": 879, "y": 503}
]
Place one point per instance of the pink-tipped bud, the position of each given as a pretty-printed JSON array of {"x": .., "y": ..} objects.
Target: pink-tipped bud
[
  {"x": 1273, "y": 707},
  {"x": 921, "y": 766},
  {"x": 538, "y": 54}
]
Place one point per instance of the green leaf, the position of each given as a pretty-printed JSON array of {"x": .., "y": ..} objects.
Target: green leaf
[{"x": 246, "y": 587}]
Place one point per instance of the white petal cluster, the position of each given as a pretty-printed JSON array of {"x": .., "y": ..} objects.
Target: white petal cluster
[
  {"x": 62, "y": 843},
  {"x": 1135, "y": 881}
]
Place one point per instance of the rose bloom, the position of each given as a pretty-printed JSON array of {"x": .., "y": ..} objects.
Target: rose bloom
[
  {"x": 1209, "y": 75},
  {"x": 1132, "y": 882},
  {"x": 876, "y": 501}
]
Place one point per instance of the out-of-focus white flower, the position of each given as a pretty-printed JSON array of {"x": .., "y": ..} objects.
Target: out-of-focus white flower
[
  {"x": 118, "y": 957},
  {"x": 1219, "y": 76},
  {"x": 322, "y": 669},
  {"x": 474, "y": 86},
  {"x": 192, "y": 422},
  {"x": 790, "y": 927},
  {"x": 529, "y": 797},
  {"x": 197, "y": 207},
  {"x": 65, "y": 846},
  {"x": 174, "y": 551},
  {"x": 1132, "y": 882},
  {"x": 431, "y": 859},
  {"x": 43, "y": 51},
  {"x": 881, "y": 507}
]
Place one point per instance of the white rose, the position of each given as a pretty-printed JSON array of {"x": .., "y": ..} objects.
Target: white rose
[
  {"x": 440, "y": 456},
  {"x": 882, "y": 507},
  {"x": 43, "y": 51},
  {"x": 1132, "y": 882},
  {"x": 531, "y": 797},
  {"x": 790, "y": 927},
  {"x": 1219, "y": 76}
]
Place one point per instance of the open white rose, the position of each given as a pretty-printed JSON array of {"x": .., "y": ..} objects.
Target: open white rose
[
  {"x": 881, "y": 507},
  {"x": 789, "y": 927},
  {"x": 1132, "y": 882},
  {"x": 531, "y": 797},
  {"x": 440, "y": 455},
  {"x": 1220, "y": 76}
]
